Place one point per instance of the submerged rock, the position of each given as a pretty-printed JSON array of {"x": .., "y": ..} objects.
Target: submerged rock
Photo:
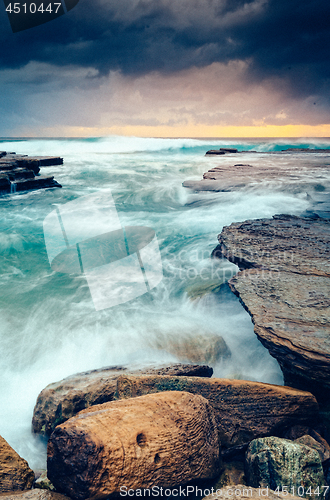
[
  {"x": 275, "y": 462},
  {"x": 287, "y": 292},
  {"x": 62, "y": 400},
  {"x": 15, "y": 473},
  {"x": 155, "y": 440},
  {"x": 243, "y": 410},
  {"x": 198, "y": 348}
]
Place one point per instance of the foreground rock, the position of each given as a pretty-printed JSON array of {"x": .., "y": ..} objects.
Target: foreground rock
[
  {"x": 275, "y": 462},
  {"x": 287, "y": 292},
  {"x": 15, "y": 473},
  {"x": 34, "y": 495},
  {"x": 242, "y": 492},
  {"x": 21, "y": 173},
  {"x": 156, "y": 440},
  {"x": 62, "y": 400},
  {"x": 243, "y": 410}
]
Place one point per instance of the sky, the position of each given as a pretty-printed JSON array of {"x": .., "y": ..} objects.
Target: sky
[{"x": 170, "y": 68}]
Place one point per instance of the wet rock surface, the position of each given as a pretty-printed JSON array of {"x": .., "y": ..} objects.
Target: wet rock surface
[
  {"x": 21, "y": 172},
  {"x": 155, "y": 440},
  {"x": 243, "y": 410},
  {"x": 62, "y": 400},
  {"x": 15, "y": 473},
  {"x": 285, "y": 287}
]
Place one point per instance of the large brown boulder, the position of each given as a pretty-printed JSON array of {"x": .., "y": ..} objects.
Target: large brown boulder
[
  {"x": 15, "y": 473},
  {"x": 243, "y": 410},
  {"x": 62, "y": 400},
  {"x": 155, "y": 440},
  {"x": 286, "y": 293}
]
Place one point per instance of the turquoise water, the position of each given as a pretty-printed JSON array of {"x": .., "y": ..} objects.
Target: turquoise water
[{"x": 49, "y": 327}]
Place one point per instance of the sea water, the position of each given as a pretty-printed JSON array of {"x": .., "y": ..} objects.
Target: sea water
[{"x": 49, "y": 328}]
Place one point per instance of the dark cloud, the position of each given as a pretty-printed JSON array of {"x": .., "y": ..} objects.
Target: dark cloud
[{"x": 279, "y": 38}]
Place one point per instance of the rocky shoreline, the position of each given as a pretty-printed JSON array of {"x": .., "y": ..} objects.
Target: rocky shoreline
[
  {"x": 21, "y": 172},
  {"x": 178, "y": 431}
]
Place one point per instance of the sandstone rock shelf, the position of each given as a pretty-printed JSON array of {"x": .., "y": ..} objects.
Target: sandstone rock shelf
[
  {"x": 21, "y": 172},
  {"x": 284, "y": 284}
]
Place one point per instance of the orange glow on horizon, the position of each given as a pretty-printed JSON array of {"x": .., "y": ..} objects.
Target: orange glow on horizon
[{"x": 198, "y": 131}]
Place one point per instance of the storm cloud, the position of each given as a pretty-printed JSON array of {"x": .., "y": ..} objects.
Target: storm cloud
[{"x": 278, "y": 38}]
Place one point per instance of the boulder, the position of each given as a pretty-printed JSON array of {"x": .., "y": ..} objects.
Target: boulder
[
  {"x": 62, "y": 400},
  {"x": 243, "y": 492},
  {"x": 15, "y": 473},
  {"x": 286, "y": 291},
  {"x": 243, "y": 410},
  {"x": 155, "y": 440},
  {"x": 34, "y": 495},
  {"x": 322, "y": 448},
  {"x": 275, "y": 463},
  {"x": 194, "y": 348}
]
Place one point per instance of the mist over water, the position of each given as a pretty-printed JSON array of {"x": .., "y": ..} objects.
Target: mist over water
[{"x": 49, "y": 328}]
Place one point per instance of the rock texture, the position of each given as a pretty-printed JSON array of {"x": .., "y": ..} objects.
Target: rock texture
[
  {"x": 323, "y": 449},
  {"x": 62, "y": 400},
  {"x": 21, "y": 173},
  {"x": 275, "y": 462},
  {"x": 15, "y": 473},
  {"x": 160, "y": 439},
  {"x": 287, "y": 292},
  {"x": 243, "y": 410},
  {"x": 34, "y": 495}
]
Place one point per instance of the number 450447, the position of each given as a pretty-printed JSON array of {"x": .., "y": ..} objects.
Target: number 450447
[{"x": 31, "y": 8}]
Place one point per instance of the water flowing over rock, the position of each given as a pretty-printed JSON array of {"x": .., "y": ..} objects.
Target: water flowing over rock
[
  {"x": 275, "y": 462},
  {"x": 15, "y": 473},
  {"x": 62, "y": 400},
  {"x": 287, "y": 292},
  {"x": 243, "y": 410},
  {"x": 163, "y": 440}
]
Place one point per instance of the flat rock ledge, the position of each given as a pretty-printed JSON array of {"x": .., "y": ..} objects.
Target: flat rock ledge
[
  {"x": 62, "y": 400},
  {"x": 284, "y": 284},
  {"x": 21, "y": 172}
]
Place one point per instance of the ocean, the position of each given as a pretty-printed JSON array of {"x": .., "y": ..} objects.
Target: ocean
[{"x": 49, "y": 325}]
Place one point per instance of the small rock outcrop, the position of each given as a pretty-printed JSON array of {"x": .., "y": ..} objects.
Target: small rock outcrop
[
  {"x": 15, "y": 473},
  {"x": 21, "y": 173},
  {"x": 62, "y": 400},
  {"x": 275, "y": 462},
  {"x": 162, "y": 439},
  {"x": 286, "y": 288},
  {"x": 243, "y": 410}
]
